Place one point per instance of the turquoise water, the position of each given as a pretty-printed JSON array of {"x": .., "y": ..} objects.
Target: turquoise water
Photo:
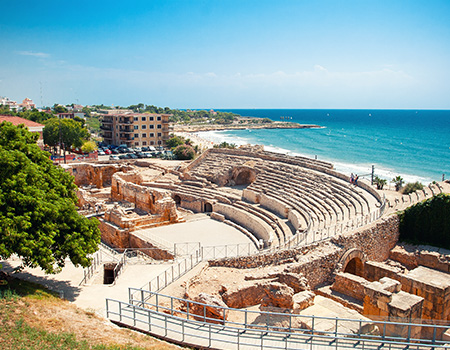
[{"x": 412, "y": 143}]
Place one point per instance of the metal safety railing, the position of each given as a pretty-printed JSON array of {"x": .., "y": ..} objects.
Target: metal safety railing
[{"x": 162, "y": 315}]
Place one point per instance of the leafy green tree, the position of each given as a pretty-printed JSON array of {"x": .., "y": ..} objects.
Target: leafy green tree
[
  {"x": 70, "y": 132},
  {"x": 88, "y": 147},
  {"x": 59, "y": 109},
  {"x": 38, "y": 217},
  {"x": 184, "y": 152},
  {"x": 175, "y": 141}
]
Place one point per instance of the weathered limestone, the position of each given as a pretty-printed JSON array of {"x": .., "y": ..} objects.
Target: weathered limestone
[
  {"x": 98, "y": 175},
  {"x": 413, "y": 256},
  {"x": 302, "y": 300},
  {"x": 208, "y": 308}
]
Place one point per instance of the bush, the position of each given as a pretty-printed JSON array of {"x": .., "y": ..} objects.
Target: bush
[
  {"x": 427, "y": 222},
  {"x": 225, "y": 144},
  {"x": 412, "y": 187},
  {"x": 184, "y": 152}
]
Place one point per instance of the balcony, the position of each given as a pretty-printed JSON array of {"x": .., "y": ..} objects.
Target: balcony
[
  {"x": 106, "y": 120},
  {"x": 127, "y": 130},
  {"x": 123, "y": 137},
  {"x": 127, "y": 121},
  {"x": 106, "y": 127}
]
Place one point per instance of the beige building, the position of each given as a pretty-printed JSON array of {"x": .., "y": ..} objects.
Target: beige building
[{"x": 135, "y": 129}]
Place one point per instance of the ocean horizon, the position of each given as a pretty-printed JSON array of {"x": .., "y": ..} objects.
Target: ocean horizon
[{"x": 412, "y": 143}]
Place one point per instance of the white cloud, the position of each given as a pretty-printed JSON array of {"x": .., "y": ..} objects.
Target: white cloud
[{"x": 34, "y": 54}]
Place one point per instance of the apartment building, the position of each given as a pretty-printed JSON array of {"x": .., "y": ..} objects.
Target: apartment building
[{"x": 135, "y": 129}]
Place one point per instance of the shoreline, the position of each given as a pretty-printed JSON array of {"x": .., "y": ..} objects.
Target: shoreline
[{"x": 274, "y": 125}]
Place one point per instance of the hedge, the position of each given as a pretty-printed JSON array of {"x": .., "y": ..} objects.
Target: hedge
[{"x": 427, "y": 222}]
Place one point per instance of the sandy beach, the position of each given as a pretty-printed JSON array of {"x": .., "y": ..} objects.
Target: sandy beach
[{"x": 196, "y": 140}]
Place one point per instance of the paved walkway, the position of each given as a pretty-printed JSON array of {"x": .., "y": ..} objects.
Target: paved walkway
[{"x": 93, "y": 294}]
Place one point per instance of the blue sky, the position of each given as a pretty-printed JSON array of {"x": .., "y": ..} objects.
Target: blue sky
[{"x": 228, "y": 54}]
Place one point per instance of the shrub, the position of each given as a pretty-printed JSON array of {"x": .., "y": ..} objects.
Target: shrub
[
  {"x": 412, "y": 187},
  {"x": 225, "y": 145},
  {"x": 184, "y": 152},
  {"x": 427, "y": 222}
]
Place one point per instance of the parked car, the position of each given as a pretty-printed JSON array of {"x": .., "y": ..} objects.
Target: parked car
[
  {"x": 115, "y": 151},
  {"x": 114, "y": 157},
  {"x": 140, "y": 154},
  {"x": 108, "y": 151},
  {"x": 145, "y": 149},
  {"x": 124, "y": 156},
  {"x": 147, "y": 155},
  {"x": 132, "y": 156},
  {"x": 101, "y": 152}
]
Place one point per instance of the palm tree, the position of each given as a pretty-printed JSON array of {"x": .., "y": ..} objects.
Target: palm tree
[
  {"x": 380, "y": 182},
  {"x": 398, "y": 181}
]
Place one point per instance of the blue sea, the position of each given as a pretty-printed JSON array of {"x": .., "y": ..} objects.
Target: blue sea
[{"x": 414, "y": 144}]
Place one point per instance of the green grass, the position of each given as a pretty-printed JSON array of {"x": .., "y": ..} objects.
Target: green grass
[{"x": 23, "y": 322}]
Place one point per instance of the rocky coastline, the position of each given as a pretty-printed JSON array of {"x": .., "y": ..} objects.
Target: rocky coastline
[{"x": 218, "y": 127}]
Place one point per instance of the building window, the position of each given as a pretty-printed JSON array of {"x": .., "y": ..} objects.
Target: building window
[
  {"x": 144, "y": 119},
  {"x": 159, "y": 142},
  {"x": 136, "y": 119},
  {"x": 151, "y": 126},
  {"x": 151, "y": 118},
  {"x": 144, "y": 135},
  {"x": 144, "y": 143},
  {"x": 159, "y": 134},
  {"x": 136, "y": 143},
  {"x": 151, "y": 143},
  {"x": 159, "y": 126},
  {"x": 151, "y": 135},
  {"x": 159, "y": 118},
  {"x": 136, "y": 127},
  {"x": 136, "y": 135},
  {"x": 143, "y": 127}
]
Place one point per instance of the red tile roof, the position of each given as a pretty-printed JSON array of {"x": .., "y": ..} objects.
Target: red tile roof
[{"x": 18, "y": 120}]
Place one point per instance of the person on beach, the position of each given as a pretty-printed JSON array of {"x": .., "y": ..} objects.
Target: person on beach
[
  {"x": 352, "y": 178},
  {"x": 356, "y": 180}
]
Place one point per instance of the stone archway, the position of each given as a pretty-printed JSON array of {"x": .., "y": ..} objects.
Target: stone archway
[
  {"x": 177, "y": 199},
  {"x": 352, "y": 262},
  {"x": 243, "y": 175},
  {"x": 207, "y": 207}
]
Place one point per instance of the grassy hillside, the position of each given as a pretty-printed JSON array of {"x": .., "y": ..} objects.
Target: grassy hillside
[{"x": 34, "y": 318}]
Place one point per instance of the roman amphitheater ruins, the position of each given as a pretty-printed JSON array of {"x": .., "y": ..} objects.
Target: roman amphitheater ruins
[{"x": 321, "y": 256}]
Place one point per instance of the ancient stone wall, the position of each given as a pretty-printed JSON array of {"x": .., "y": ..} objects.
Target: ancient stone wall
[
  {"x": 275, "y": 205},
  {"x": 294, "y": 218},
  {"x": 114, "y": 236},
  {"x": 259, "y": 227},
  {"x": 99, "y": 175},
  {"x": 153, "y": 200},
  {"x": 150, "y": 249},
  {"x": 318, "y": 262},
  {"x": 251, "y": 196},
  {"x": 350, "y": 285}
]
